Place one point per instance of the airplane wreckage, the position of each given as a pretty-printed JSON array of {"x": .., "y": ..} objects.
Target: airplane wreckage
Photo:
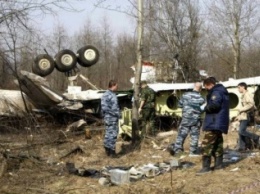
[
  {"x": 36, "y": 96},
  {"x": 168, "y": 94}
]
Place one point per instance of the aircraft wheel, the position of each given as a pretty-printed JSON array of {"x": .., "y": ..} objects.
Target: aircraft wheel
[
  {"x": 65, "y": 60},
  {"x": 87, "y": 56},
  {"x": 43, "y": 65}
]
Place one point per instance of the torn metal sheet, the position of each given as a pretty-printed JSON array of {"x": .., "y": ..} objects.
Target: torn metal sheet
[
  {"x": 39, "y": 92},
  {"x": 38, "y": 95},
  {"x": 84, "y": 95},
  {"x": 12, "y": 104}
]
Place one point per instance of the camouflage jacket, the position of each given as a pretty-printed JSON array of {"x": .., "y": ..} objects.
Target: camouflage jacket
[
  {"x": 190, "y": 103},
  {"x": 109, "y": 106},
  {"x": 148, "y": 96}
]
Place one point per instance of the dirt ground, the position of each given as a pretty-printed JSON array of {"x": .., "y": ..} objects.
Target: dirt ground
[{"x": 35, "y": 163}]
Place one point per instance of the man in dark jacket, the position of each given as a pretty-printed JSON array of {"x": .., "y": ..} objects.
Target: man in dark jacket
[{"x": 216, "y": 122}]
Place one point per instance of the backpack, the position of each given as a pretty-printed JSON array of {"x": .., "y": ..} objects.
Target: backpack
[{"x": 251, "y": 117}]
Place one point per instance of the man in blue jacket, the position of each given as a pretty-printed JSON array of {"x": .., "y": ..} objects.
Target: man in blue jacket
[
  {"x": 215, "y": 123},
  {"x": 111, "y": 113}
]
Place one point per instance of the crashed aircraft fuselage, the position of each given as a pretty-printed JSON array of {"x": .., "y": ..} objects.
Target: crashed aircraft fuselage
[{"x": 37, "y": 96}]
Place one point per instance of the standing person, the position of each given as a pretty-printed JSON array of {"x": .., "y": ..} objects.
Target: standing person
[
  {"x": 247, "y": 105},
  {"x": 111, "y": 112},
  {"x": 216, "y": 122},
  {"x": 147, "y": 109},
  {"x": 190, "y": 103}
]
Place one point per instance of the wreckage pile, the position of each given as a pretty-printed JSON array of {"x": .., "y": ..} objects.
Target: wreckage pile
[
  {"x": 74, "y": 153},
  {"x": 160, "y": 72},
  {"x": 122, "y": 175}
]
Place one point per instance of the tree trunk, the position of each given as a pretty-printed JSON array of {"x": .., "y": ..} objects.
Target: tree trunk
[
  {"x": 135, "y": 116},
  {"x": 236, "y": 50}
]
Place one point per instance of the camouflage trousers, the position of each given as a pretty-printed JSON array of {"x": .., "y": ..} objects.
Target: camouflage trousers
[
  {"x": 111, "y": 134},
  {"x": 212, "y": 144},
  {"x": 147, "y": 125},
  {"x": 183, "y": 133}
]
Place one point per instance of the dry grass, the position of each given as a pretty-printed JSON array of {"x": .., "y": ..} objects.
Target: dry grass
[{"x": 30, "y": 175}]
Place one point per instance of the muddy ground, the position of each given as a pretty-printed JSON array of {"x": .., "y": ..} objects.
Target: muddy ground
[{"x": 34, "y": 161}]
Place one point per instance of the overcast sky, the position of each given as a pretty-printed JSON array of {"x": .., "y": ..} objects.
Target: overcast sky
[{"x": 72, "y": 21}]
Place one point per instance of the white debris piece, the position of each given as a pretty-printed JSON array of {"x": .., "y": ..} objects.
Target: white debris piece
[
  {"x": 12, "y": 104},
  {"x": 119, "y": 177}
]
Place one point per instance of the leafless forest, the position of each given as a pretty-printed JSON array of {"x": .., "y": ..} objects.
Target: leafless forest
[
  {"x": 218, "y": 36},
  {"x": 221, "y": 37}
]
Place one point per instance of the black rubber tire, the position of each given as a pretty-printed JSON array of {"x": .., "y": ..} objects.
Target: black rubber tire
[
  {"x": 43, "y": 65},
  {"x": 65, "y": 60},
  {"x": 87, "y": 56}
]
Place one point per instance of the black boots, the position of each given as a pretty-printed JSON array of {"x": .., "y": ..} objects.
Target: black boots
[
  {"x": 113, "y": 153},
  {"x": 110, "y": 152},
  {"x": 107, "y": 151},
  {"x": 205, "y": 165},
  {"x": 218, "y": 162},
  {"x": 206, "y": 160},
  {"x": 170, "y": 149}
]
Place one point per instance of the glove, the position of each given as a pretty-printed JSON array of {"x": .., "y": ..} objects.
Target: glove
[{"x": 202, "y": 107}]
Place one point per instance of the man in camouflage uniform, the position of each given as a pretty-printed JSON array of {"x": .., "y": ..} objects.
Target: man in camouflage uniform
[
  {"x": 111, "y": 113},
  {"x": 190, "y": 103},
  {"x": 147, "y": 110},
  {"x": 215, "y": 123}
]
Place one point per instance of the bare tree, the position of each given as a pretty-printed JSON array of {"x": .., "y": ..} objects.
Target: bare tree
[
  {"x": 125, "y": 56},
  {"x": 129, "y": 9},
  {"x": 25, "y": 10},
  {"x": 232, "y": 24},
  {"x": 175, "y": 25},
  {"x": 106, "y": 49},
  {"x": 139, "y": 10},
  {"x": 135, "y": 116},
  {"x": 101, "y": 37},
  {"x": 58, "y": 40},
  {"x": 88, "y": 34},
  {"x": 15, "y": 24}
]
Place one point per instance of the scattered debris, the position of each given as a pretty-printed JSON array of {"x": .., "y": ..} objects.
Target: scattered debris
[
  {"x": 233, "y": 156},
  {"x": 82, "y": 172},
  {"x": 174, "y": 163},
  {"x": 124, "y": 175},
  {"x": 78, "y": 125},
  {"x": 234, "y": 169},
  {"x": 3, "y": 165},
  {"x": 156, "y": 156},
  {"x": 155, "y": 146},
  {"x": 150, "y": 170},
  {"x": 166, "y": 134},
  {"x": 135, "y": 174},
  {"x": 118, "y": 176},
  {"x": 104, "y": 181}
]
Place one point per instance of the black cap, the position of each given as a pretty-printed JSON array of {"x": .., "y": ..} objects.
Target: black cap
[{"x": 213, "y": 79}]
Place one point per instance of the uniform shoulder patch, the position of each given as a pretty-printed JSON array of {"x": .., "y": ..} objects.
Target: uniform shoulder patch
[{"x": 213, "y": 97}]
